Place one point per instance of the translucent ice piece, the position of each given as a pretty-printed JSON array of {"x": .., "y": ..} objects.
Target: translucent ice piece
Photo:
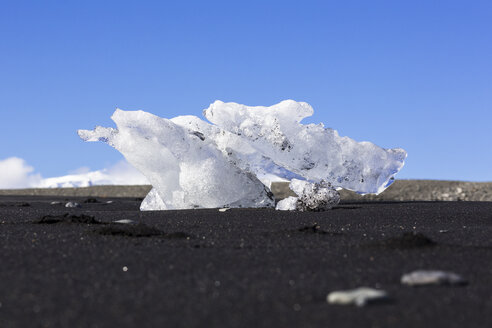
[
  {"x": 318, "y": 196},
  {"x": 184, "y": 167},
  {"x": 311, "y": 151},
  {"x": 153, "y": 202},
  {"x": 192, "y": 163},
  {"x": 287, "y": 204},
  {"x": 238, "y": 150}
]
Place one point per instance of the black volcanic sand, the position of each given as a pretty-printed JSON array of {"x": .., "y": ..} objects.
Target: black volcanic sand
[{"x": 239, "y": 268}]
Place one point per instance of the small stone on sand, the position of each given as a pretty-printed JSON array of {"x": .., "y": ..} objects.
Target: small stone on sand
[
  {"x": 72, "y": 205},
  {"x": 124, "y": 221},
  {"x": 359, "y": 296},
  {"x": 91, "y": 200},
  {"x": 432, "y": 277}
]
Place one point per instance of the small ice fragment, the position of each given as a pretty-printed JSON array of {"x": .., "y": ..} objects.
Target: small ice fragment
[
  {"x": 287, "y": 204},
  {"x": 55, "y": 203},
  {"x": 125, "y": 269},
  {"x": 319, "y": 196},
  {"x": 359, "y": 296},
  {"x": 153, "y": 202},
  {"x": 124, "y": 221},
  {"x": 109, "y": 202},
  {"x": 431, "y": 277},
  {"x": 224, "y": 209},
  {"x": 73, "y": 205}
]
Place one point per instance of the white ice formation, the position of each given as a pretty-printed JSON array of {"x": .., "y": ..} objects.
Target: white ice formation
[
  {"x": 231, "y": 163},
  {"x": 185, "y": 168},
  {"x": 309, "y": 150},
  {"x": 318, "y": 196}
]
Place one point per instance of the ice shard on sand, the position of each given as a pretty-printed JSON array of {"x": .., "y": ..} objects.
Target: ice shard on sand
[{"x": 230, "y": 163}]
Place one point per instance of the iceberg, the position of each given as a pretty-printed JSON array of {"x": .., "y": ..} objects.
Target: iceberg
[
  {"x": 231, "y": 161},
  {"x": 185, "y": 168},
  {"x": 309, "y": 150}
]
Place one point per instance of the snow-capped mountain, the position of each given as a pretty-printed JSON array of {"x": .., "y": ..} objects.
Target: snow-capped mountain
[{"x": 16, "y": 173}]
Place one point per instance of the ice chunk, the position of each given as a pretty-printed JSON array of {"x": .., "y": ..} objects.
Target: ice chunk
[
  {"x": 238, "y": 150},
  {"x": 318, "y": 196},
  {"x": 73, "y": 205},
  {"x": 185, "y": 168},
  {"x": 308, "y": 150},
  {"x": 287, "y": 204},
  {"x": 194, "y": 164},
  {"x": 153, "y": 202}
]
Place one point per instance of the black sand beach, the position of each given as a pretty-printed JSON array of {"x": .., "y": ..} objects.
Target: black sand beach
[{"x": 72, "y": 267}]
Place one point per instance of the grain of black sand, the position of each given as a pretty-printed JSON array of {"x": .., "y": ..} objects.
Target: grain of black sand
[{"x": 239, "y": 268}]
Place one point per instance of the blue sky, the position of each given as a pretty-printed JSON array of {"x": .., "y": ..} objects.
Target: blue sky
[{"x": 410, "y": 74}]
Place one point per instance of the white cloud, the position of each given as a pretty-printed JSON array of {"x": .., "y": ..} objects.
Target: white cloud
[
  {"x": 123, "y": 173},
  {"x": 80, "y": 170},
  {"x": 15, "y": 173}
]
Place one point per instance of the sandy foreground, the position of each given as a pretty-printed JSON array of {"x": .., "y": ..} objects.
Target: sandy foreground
[{"x": 77, "y": 267}]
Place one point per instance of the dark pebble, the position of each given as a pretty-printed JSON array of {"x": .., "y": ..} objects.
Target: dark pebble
[
  {"x": 407, "y": 240},
  {"x": 316, "y": 229},
  {"x": 91, "y": 201},
  {"x": 67, "y": 218},
  {"x": 138, "y": 230}
]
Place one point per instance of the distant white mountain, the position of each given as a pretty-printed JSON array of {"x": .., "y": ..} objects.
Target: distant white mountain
[
  {"x": 120, "y": 174},
  {"x": 15, "y": 173}
]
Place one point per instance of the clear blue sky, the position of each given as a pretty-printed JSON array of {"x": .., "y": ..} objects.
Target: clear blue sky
[{"x": 410, "y": 74}]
